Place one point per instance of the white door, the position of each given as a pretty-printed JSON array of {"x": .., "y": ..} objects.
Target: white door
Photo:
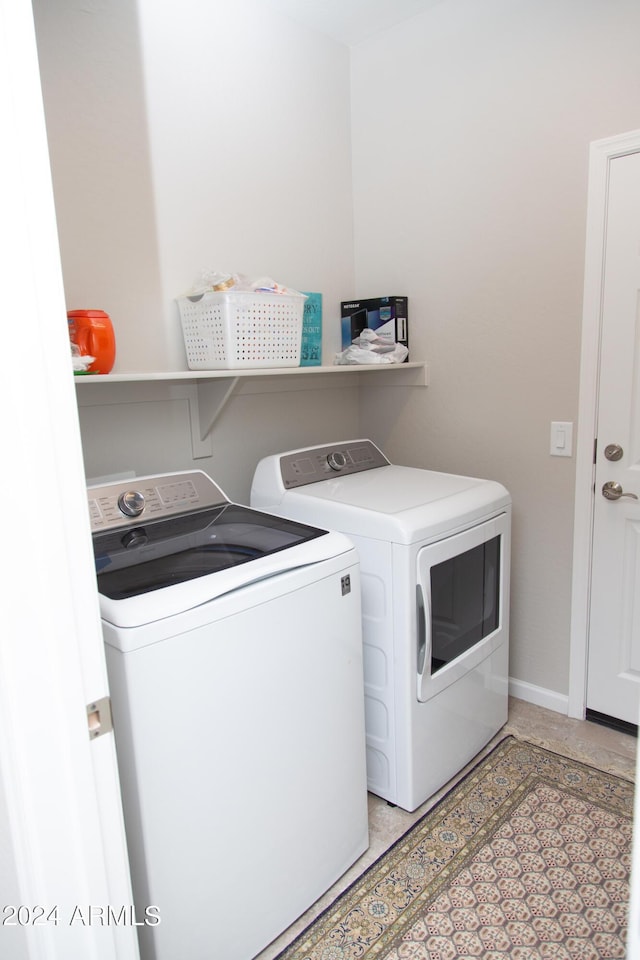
[
  {"x": 613, "y": 669},
  {"x": 61, "y": 832}
]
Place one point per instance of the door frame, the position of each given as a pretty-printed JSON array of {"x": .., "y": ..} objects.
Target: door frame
[{"x": 601, "y": 153}]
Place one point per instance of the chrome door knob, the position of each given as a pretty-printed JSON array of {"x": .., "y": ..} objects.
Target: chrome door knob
[{"x": 612, "y": 490}]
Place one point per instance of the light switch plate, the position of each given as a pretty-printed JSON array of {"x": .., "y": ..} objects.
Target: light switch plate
[{"x": 561, "y": 438}]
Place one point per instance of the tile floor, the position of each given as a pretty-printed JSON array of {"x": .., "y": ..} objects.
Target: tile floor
[{"x": 604, "y": 748}]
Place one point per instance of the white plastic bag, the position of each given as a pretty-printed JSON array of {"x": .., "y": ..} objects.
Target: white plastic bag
[
  {"x": 217, "y": 281},
  {"x": 368, "y": 348},
  {"x": 80, "y": 362}
]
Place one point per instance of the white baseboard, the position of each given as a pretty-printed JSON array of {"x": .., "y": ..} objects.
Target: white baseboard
[{"x": 539, "y": 695}]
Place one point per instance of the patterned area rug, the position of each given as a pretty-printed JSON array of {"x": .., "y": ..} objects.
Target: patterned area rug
[{"x": 527, "y": 858}]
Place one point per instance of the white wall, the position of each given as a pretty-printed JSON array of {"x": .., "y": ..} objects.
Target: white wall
[
  {"x": 151, "y": 432},
  {"x": 249, "y": 123},
  {"x": 93, "y": 89},
  {"x": 471, "y": 126}
]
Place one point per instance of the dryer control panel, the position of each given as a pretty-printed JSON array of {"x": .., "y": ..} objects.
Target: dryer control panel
[{"x": 314, "y": 464}]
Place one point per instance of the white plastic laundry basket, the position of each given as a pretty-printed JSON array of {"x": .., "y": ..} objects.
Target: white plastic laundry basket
[{"x": 234, "y": 329}]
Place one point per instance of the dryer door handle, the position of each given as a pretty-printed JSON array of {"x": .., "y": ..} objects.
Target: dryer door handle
[{"x": 423, "y": 635}]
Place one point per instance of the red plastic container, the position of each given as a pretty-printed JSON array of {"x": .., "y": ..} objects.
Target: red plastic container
[{"x": 92, "y": 332}]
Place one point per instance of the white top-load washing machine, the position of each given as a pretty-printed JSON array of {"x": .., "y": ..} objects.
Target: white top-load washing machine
[
  {"x": 234, "y": 654},
  {"x": 434, "y": 559}
]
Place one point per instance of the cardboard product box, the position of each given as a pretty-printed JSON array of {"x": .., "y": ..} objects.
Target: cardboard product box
[
  {"x": 388, "y": 316},
  {"x": 311, "y": 346}
]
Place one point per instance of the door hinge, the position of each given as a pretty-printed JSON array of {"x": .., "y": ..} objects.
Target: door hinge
[{"x": 99, "y": 717}]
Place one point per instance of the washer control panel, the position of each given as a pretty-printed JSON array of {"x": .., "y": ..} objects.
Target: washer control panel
[
  {"x": 150, "y": 498},
  {"x": 332, "y": 460}
]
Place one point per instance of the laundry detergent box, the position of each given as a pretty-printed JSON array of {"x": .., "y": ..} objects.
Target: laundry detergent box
[
  {"x": 311, "y": 345},
  {"x": 388, "y": 316}
]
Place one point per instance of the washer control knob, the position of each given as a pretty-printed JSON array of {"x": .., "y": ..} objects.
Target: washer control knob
[
  {"x": 337, "y": 460},
  {"x": 131, "y": 503},
  {"x": 134, "y": 538}
]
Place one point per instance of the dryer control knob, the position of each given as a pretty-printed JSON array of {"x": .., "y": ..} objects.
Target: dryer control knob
[
  {"x": 131, "y": 503},
  {"x": 337, "y": 460}
]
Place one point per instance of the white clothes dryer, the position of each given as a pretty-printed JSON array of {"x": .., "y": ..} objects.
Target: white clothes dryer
[
  {"x": 434, "y": 554},
  {"x": 234, "y": 652}
]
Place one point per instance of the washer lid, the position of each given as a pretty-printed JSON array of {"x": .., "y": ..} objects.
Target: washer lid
[
  {"x": 164, "y": 544},
  {"x": 396, "y": 503},
  {"x": 163, "y": 553},
  {"x": 166, "y": 567}
]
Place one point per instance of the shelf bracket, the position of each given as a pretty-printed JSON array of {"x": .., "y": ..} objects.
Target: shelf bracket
[{"x": 206, "y": 402}]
